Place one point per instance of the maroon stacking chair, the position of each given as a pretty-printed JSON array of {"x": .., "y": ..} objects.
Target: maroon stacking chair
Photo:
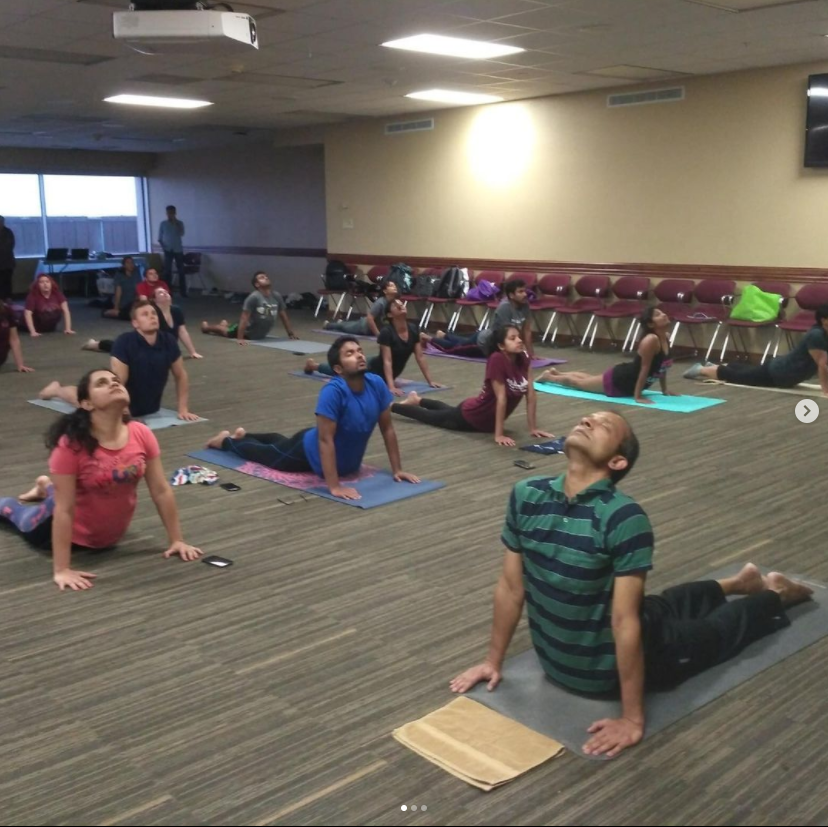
[
  {"x": 672, "y": 296},
  {"x": 553, "y": 292},
  {"x": 714, "y": 298},
  {"x": 631, "y": 294},
  {"x": 496, "y": 277},
  {"x": 591, "y": 291},
  {"x": 436, "y": 301},
  {"x": 809, "y": 298},
  {"x": 738, "y": 327},
  {"x": 323, "y": 293}
]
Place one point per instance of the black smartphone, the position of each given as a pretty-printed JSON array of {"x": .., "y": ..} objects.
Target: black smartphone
[
  {"x": 219, "y": 562},
  {"x": 522, "y": 463},
  {"x": 230, "y": 486}
]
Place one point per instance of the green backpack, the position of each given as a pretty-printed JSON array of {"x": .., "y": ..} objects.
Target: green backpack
[{"x": 755, "y": 305}]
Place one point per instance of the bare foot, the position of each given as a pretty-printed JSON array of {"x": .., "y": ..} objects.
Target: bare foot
[
  {"x": 217, "y": 440},
  {"x": 239, "y": 433},
  {"x": 750, "y": 580},
  {"x": 50, "y": 391},
  {"x": 440, "y": 334},
  {"x": 413, "y": 398},
  {"x": 39, "y": 492},
  {"x": 204, "y": 327},
  {"x": 790, "y": 591},
  {"x": 325, "y": 324},
  {"x": 91, "y": 344},
  {"x": 425, "y": 338},
  {"x": 311, "y": 366}
]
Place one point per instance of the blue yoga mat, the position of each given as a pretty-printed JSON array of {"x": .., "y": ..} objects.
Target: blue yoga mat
[
  {"x": 556, "y": 446},
  {"x": 163, "y": 418},
  {"x": 673, "y": 404},
  {"x": 377, "y": 489},
  {"x": 406, "y": 385}
]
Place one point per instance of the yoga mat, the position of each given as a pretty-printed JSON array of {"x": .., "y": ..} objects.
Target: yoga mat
[
  {"x": 529, "y": 697},
  {"x": 406, "y": 385},
  {"x": 803, "y": 389},
  {"x": 376, "y": 486},
  {"x": 326, "y": 332},
  {"x": 553, "y": 447},
  {"x": 536, "y": 362},
  {"x": 673, "y": 404},
  {"x": 164, "y": 418},
  {"x": 292, "y": 345}
]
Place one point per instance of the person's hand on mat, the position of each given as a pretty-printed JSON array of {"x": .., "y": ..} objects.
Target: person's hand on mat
[
  {"x": 35, "y": 335},
  {"x": 292, "y": 336},
  {"x": 241, "y": 341},
  {"x": 642, "y": 400},
  {"x": 68, "y": 332},
  {"x": 506, "y": 441},
  {"x": 187, "y": 416},
  {"x": 436, "y": 385},
  {"x": 75, "y": 580},
  {"x": 538, "y": 433},
  {"x": 184, "y": 550},
  {"x": 402, "y": 476},
  {"x": 396, "y": 391},
  {"x": 24, "y": 369},
  {"x": 471, "y": 677},
  {"x": 670, "y": 393},
  {"x": 611, "y": 735},
  {"x": 345, "y": 493},
  {"x": 196, "y": 356}
]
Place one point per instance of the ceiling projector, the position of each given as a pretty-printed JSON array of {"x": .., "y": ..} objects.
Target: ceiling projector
[{"x": 156, "y": 29}]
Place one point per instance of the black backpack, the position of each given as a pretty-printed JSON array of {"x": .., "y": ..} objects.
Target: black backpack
[
  {"x": 400, "y": 274},
  {"x": 337, "y": 276},
  {"x": 423, "y": 286},
  {"x": 450, "y": 285}
]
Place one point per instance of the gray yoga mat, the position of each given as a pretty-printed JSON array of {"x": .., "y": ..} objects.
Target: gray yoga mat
[
  {"x": 164, "y": 418},
  {"x": 526, "y": 695},
  {"x": 302, "y": 346}
]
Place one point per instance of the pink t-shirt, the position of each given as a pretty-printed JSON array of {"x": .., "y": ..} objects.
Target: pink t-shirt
[
  {"x": 480, "y": 411},
  {"x": 147, "y": 289},
  {"x": 106, "y": 485},
  {"x": 46, "y": 312}
]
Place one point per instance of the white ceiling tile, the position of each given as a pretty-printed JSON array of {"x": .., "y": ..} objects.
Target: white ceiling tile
[{"x": 489, "y": 9}]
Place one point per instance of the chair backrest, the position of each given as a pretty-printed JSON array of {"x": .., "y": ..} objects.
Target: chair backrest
[
  {"x": 555, "y": 284},
  {"x": 496, "y": 277},
  {"x": 593, "y": 286},
  {"x": 811, "y": 296},
  {"x": 192, "y": 259},
  {"x": 531, "y": 279},
  {"x": 675, "y": 290},
  {"x": 715, "y": 291},
  {"x": 780, "y": 287},
  {"x": 631, "y": 287},
  {"x": 379, "y": 271}
]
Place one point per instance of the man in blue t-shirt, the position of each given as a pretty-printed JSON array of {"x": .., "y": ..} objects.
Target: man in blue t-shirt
[
  {"x": 349, "y": 407},
  {"x": 142, "y": 360}
]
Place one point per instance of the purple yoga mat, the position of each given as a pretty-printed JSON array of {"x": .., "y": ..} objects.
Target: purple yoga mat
[{"x": 536, "y": 363}]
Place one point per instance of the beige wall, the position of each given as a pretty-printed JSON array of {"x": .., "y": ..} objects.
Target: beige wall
[
  {"x": 260, "y": 196},
  {"x": 715, "y": 179}
]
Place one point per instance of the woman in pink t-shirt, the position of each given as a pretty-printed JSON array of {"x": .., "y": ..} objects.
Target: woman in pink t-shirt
[
  {"x": 507, "y": 382},
  {"x": 45, "y": 305},
  {"x": 96, "y": 463}
]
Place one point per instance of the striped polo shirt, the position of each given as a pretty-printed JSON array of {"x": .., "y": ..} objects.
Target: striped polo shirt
[{"x": 572, "y": 551}]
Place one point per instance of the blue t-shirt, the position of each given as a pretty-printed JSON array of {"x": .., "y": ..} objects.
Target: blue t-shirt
[
  {"x": 149, "y": 366},
  {"x": 356, "y": 415}
]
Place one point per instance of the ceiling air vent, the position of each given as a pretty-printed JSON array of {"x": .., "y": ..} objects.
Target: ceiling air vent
[
  {"x": 409, "y": 126},
  {"x": 640, "y": 98}
]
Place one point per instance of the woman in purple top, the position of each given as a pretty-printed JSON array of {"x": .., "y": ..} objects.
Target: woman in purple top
[{"x": 507, "y": 382}]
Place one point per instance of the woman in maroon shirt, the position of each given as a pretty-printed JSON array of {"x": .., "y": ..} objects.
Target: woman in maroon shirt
[
  {"x": 45, "y": 305},
  {"x": 10, "y": 340},
  {"x": 507, "y": 382}
]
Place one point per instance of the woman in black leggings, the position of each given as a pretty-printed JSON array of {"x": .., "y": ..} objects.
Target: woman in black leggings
[{"x": 807, "y": 359}]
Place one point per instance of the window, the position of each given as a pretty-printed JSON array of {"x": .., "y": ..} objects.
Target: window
[{"x": 102, "y": 213}]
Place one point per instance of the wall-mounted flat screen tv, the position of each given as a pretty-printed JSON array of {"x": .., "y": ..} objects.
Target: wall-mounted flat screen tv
[{"x": 816, "y": 125}]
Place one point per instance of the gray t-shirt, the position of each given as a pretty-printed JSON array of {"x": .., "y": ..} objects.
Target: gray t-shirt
[
  {"x": 506, "y": 314},
  {"x": 798, "y": 365},
  {"x": 263, "y": 311},
  {"x": 378, "y": 310},
  {"x": 127, "y": 285}
]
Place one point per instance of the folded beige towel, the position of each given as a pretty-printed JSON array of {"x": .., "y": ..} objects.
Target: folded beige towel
[{"x": 476, "y": 744}]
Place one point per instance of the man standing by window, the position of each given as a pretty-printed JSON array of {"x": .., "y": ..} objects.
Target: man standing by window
[
  {"x": 7, "y": 260},
  {"x": 170, "y": 234}
]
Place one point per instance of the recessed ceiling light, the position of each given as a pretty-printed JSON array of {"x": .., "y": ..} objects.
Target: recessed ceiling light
[
  {"x": 150, "y": 100},
  {"x": 448, "y": 96},
  {"x": 437, "y": 44}
]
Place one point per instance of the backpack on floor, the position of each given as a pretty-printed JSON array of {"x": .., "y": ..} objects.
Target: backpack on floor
[
  {"x": 336, "y": 276},
  {"x": 452, "y": 284}
]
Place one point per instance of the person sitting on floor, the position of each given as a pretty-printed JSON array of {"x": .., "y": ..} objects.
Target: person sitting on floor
[
  {"x": 370, "y": 324},
  {"x": 507, "y": 382},
  {"x": 628, "y": 378},
  {"x": 513, "y": 310},
  {"x": 96, "y": 463},
  {"x": 577, "y": 552},
  {"x": 808, "y": 359},
  {"x": 10, "y": 339},
  {"x": 348, "y": 409},
  {"x": 126, "y": 290},
  {"x": 258, "y": 314},
  {"x": 152, "y": 282},
  {"x": 142, "y": 360},
  {"x": 170, "y": 320},
  {"x": 398, "y": 340},
  {"x": 45, "y": 305}
]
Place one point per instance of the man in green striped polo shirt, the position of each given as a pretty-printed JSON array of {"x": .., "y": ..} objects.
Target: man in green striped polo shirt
[{"x": 578, "y": 551}]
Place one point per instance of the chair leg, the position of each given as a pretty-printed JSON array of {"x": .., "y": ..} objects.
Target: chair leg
[
  {"x": 713, "y": 342},
  {"x": 633, "y": 323},
  {"x": 551, "y": 322},
  {"x": 594, "y": 331},
  {"x": 318, "y": 307},
  {"x": 773, "y": 335},
  {"x": 675, "y": 331},
  {"x": 339, "y": 305},
  {"x": 588, "y": 328}
]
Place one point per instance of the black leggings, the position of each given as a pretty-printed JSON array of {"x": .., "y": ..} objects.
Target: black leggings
[
  {"x": 691, "y": 627},
  {"x": 757, "y": 375},
  {"x": 438, "y": 414},
  {"x": 281, "y": 453}
]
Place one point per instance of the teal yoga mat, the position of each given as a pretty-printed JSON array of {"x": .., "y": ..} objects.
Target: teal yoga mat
[{"x": 673, "y": 404}]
